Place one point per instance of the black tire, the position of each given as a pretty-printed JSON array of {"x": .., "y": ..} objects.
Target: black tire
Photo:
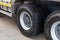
[
  {"x": 37, "y": 20},
  {"x": 51, "y": 19}
]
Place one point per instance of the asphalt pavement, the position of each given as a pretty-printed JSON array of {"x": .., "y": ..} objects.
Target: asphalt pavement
[{"x": 10, "y": 31}]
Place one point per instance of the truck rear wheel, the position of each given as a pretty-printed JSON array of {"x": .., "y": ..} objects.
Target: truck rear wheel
[
  {"x": 29, "y": 20},
  {"x": 52, "y": 26}
]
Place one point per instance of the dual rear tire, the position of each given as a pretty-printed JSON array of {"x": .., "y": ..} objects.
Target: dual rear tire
[
  {"x": 52, "y": 26},
  {"x": 30, "y": 22}
]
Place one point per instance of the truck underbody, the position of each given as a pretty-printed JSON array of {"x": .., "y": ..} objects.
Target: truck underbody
[{"x": 48, "y": 5}]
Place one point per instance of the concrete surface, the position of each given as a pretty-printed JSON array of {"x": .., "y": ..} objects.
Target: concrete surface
[{"x": 10, "y": 31}]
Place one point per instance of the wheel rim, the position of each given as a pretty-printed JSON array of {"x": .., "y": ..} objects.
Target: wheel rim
[
  {"x": 55, "y": 31},
  {"x": 25, "y": 20}
]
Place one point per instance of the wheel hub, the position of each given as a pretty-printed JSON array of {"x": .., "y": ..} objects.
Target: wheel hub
[
  {"x": 25, "y": 20},
  {"x": 55, "y": 31}
]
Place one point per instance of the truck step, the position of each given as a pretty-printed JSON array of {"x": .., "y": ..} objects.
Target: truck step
[{"x": 6, "y": 13}]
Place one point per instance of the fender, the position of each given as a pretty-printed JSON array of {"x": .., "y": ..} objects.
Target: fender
[{"x": 16, "y": 4}]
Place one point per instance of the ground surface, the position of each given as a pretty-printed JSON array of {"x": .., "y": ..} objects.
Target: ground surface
[{"x": 10, "y": 31}]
